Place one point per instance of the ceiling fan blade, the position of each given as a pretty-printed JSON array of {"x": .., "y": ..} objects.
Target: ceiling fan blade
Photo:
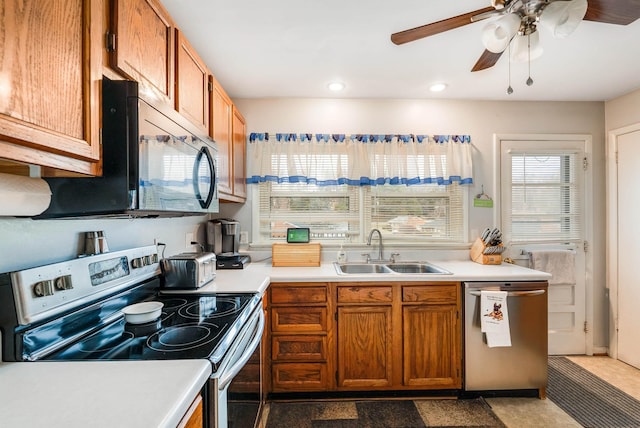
[
  {"x": 436, "y": 27},
  {"x": 487, "y": 60},
  {"x": 620, "y": 12}
]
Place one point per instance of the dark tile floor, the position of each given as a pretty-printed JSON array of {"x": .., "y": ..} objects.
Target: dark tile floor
[{"x": 382, "y": 414}]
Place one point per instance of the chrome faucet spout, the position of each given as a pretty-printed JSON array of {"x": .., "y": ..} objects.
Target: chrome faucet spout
[{"x": 380, "y": 247}]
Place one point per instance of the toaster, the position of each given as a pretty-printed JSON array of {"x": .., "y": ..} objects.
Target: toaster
[{"x": 188, "y": 271}]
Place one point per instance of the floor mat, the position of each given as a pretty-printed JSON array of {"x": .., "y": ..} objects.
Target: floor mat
[
  {"x": 588, "y": 399},
  {"x": 383, "y": 414}
]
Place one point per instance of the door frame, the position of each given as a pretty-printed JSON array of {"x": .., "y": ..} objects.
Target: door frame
[
  {"x": 588, "y": 209},
  {"x": 612, "y": 231}
]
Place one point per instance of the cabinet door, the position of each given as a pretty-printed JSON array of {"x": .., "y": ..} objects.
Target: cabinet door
[
  {"x": 239, "y": 155},
  {"x": 307, "y": 347},
  {"x": 221, "y": 132},
  {"x": 297, "y": 293},
  {"x": 289, "y": 377},
  {"x": 192, "y": 84},
  {"x": 299, "y": 319},
  {"x": 141, "y": 43},
  {"x": 50, "y": 63},
  {"x": 431, "y": 354},
  {"x": 364, "y": 346}
]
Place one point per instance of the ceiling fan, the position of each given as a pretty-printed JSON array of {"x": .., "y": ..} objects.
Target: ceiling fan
[{"x": 517, "y": 21}]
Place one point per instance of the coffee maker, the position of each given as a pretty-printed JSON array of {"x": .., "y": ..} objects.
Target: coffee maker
[{"x": 223, "y": 239}]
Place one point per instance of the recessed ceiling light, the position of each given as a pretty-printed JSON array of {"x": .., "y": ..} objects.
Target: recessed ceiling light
[
  {"x": 336, "y": 86},
  {"x": 438, "y": 87}
]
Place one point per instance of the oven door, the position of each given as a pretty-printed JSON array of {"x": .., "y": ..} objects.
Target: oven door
[
  {"x": 235, "y": 406},
  {"x": 244, "y": 394}
]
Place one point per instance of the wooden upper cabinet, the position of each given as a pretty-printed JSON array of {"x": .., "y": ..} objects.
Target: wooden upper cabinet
[
  {"x": 222, "y": 133},
  {"x": 50, "y": 68},
  {"x": 192, "y": 83},
  {"x": 141, "y": 44},
  {"x": 239, "y": 155}
]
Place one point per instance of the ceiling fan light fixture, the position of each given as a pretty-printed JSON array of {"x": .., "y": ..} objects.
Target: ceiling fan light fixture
[
  {"x": 497, "y": 34},
  {"x": 561, "y": 18},
  {"x": 526, "y": 47}
]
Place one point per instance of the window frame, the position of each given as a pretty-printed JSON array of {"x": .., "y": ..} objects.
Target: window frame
[{"x": 364, "y": 225}]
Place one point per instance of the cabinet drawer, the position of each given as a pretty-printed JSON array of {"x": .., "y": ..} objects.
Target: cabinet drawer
[
  {"x": 299, "y": 348},
  {"x": 293, "y": 294},
  {"x": 298, "y": 319},
  {"x": 434, "y": 294},
  {"x": 376, "y": 294},
  {"x": 299, "y": 377}
]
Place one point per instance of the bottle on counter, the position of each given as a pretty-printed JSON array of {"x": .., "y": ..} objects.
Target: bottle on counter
[{"x": 342, "y": 255}]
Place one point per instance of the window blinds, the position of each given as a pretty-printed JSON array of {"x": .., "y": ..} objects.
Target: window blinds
[{"x": 546, "y": 196}]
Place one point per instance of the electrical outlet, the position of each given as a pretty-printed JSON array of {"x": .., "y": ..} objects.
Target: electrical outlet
[
  {"x": 244, "y": 237},
  {"x": 188, "y": 239}
]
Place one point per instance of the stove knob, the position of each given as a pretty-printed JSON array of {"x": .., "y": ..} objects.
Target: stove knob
[
  {"x": 63, "y": 282},
  {"x": 154, "y": 258},
  {"x": 147, "y": 260},
  {"x": 43, "y": 288},
  {"x": 137, "y": 263}
]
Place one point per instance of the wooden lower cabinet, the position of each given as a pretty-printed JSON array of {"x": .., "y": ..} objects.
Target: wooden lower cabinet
[
  {"x": 365, "y": 336},
  {"x": 299, "y": 328},
  {"x": 430, "y": 352},
  {"x": 194, "y": 418},
  {"x": 364, "y": 345},
  {"x": 432, "y": 335}
]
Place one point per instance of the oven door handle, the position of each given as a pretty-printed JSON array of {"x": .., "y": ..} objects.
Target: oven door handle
[{"x": 246, "y": 354}]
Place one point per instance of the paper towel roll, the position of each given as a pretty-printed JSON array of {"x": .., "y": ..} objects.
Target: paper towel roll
[{"x": 23, "y": 196}]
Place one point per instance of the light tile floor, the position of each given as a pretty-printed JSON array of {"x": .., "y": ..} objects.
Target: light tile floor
[{"x": 532, "y": 412}]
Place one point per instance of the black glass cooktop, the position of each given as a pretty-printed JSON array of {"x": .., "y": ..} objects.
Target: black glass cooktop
[{"x": 190, "y": 327}]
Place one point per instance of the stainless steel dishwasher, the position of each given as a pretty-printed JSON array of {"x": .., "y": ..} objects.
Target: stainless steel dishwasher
[{"x": 523, "y": 365}]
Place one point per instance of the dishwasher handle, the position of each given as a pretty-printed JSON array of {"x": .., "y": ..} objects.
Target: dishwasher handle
[{"x": 527, "y": 293}]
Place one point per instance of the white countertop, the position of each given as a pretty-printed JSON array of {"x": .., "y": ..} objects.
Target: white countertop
[
  {"x": 121, "y": 394},
  {"x": 255, "y": 277}
]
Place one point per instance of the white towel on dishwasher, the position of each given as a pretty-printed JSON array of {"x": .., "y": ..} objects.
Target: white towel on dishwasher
[
  {"x": 559, "y": 263},
  {"x": 494, "y": 318}
]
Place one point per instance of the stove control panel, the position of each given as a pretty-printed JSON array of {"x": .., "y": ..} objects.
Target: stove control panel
[
  {"x": 45, "y": 291},
  {"x": 140, "y": 262}
]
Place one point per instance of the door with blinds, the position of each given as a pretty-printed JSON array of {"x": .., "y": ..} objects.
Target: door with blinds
[{"x": 543, "y": 221}]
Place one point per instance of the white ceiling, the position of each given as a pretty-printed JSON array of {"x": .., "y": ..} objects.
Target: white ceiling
[{"x": 294, "y": 48}]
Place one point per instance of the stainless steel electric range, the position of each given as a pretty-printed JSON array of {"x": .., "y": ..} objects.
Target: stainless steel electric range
[{"x": 72, "y": 311}]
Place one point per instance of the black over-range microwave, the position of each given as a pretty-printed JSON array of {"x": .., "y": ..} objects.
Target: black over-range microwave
[{"x": 155, "y": 164}]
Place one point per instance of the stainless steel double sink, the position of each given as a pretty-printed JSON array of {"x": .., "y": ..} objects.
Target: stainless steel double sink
[{"x": 412, "y": 268}]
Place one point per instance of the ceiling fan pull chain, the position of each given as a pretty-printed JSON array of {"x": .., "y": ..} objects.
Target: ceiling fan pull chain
[
  {"x": 529, "y": 80},
  {"x": 509, "y": 89}
]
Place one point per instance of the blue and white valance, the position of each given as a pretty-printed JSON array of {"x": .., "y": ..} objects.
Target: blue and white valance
[{"x": 359, "y": 159}]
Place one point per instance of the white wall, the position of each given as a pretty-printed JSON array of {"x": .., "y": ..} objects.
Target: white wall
[
  {"x": 26, "y": 243},
  {"x": 622, "y": 111},
  {"x": 480, "y": 119}
]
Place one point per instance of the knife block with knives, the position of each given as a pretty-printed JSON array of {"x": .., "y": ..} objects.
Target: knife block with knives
[{"x": 488, "y": 248}]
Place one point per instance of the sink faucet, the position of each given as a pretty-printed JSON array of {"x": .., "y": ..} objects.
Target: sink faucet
[{"x": 380, "y": 248}]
